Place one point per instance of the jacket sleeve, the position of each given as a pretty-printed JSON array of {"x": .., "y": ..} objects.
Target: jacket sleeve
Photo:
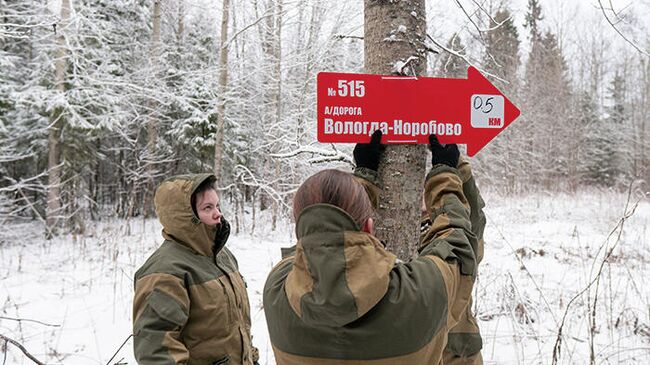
[
  {"x": 447, "y": 259},
  {"x": 476, "y": 203},
  {"x": 449, "y": 240},
  {"x": 160, "y": 311}
]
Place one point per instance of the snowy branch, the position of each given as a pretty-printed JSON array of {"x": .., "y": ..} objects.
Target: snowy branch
[
  {"x": 325, "y": 155},
  {"x": 466, "y": 59}
]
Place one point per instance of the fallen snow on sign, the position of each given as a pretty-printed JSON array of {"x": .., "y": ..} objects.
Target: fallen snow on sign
[{"x": 540, "y": 252}]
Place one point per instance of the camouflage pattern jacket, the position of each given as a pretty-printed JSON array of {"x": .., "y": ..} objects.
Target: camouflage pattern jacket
[
  {"x": 190, "y": 305},
  {"x": 341, "y": 298}
]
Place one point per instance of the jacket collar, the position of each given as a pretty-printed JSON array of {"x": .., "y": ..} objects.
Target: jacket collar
[{"x": 339, "y": 273}]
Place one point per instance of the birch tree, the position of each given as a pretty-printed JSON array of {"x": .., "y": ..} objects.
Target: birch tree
[{"x": 223, "y": 84}]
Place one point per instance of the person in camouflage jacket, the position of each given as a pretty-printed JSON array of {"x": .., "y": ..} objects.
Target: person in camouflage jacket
[
  {"x": 465, "y": 342},
  {"x": 190, "y": 305},
  {"x": 338, "y": 297}
]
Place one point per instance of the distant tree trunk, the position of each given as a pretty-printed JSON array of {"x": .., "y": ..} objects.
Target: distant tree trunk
[
  {"x": 403, "y": 167},
  {"x": 277, "y": 71},
  {"x": 151, "y": 124},
  {"x": 223, "y": 84},
  {"x": 181, "y": 22},
  {"x": 155, "y": 48},
  {"x": 56, "y": 125}
]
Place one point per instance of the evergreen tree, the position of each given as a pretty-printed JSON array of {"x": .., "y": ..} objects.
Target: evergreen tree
[
  {"x": 621, "y": 137},
  {"x": 609, "y": 139},
  {"x": 549, "y": 123},
  {"x": 502, "y": 59},
  {"x": 502, "y": 52},
  {"x": 592, "y": 147}
]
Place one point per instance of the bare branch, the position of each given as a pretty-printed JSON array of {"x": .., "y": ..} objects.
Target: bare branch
[
  {"x": 234, "y": 36},
  {"x": 118, "y": 350},
  {"x": 602, "y": 9},
  {"x": 596, "y": 279},
  {"x": 467, "y": 60},
  {"x": 480, "y": 6},
  {"x": 325, "y": 155},
  {"x": 30, "y": 320},
  {"x": 343, "y": 36},
  {"x": 469, "y": 17},
  {"x": 22, "y": 348}
]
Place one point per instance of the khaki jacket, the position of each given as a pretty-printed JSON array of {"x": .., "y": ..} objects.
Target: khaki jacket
[
  {"x": 341, "y": 298},
  {"x": 190, "y": 305}
]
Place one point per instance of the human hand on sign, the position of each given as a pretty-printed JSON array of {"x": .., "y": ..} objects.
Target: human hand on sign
[
  {"x": 446, "y": 155},
  {"x": 368, "y": 154}
]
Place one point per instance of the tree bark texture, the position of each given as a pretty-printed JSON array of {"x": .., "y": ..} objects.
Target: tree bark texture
[
  {"x": 56, "y": 125},
  {"x": 223, "y": 85},
  {"x": 152, "y": 133},
  {"x": 395, "y": 31}
]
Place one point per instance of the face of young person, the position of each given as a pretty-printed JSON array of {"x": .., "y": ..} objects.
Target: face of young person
[{"x": 207, "y": 207}]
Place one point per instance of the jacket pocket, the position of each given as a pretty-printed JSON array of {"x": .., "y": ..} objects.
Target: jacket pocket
[
  {"x": 167, "y": 308},
  {"x": 223, "y": 361}
]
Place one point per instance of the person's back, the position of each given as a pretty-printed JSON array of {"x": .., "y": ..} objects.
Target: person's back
[{"x": 341, "y": 298}]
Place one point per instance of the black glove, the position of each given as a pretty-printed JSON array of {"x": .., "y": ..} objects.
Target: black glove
[
  {"x": 446, "y": 155},
  {"x": 223, "y": 232},
  {"x": 368, "y": 154}
]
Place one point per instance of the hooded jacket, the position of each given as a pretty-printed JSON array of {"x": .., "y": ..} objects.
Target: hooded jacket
[
  {"x": 340, "y": 298},
  {"x": 190, "y": 305}
]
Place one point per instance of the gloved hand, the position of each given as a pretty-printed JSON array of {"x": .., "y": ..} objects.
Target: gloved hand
[
  {"x": 223, "y": 232},
  {"x": 368, "y": 154},
  {"x": 446, "y": 155}
]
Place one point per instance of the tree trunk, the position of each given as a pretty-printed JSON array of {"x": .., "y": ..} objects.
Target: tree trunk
[
  {"x": 148, "y": 208},
  {"x": 223, "y": 84},
  {"x": 54, "y": 133},
  {"x": 181, "y": 22},
  {"x": 155, "y": 47},
  {"x": 402, "y": 170},
  {"x": 277, "y": 71}
]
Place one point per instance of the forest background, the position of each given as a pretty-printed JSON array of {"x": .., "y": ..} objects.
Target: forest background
[{"x": 100, "y": 100}]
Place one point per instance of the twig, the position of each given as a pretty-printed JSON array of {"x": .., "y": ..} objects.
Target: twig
[
  {"x": 40, "y": 217},
  {"x": 525, "y": 268},
  {"x": 118, "y": 350},
  {"x": 602, "y": 9},
  {"x": 619, "y": 227},
  {"x": 464, "y": 58},
  {"x": 30, "y": 320},
  {"x": 22, "y": 348},
  {"x": 343, "y": 36},
  {"x": 227, "y": 44},
  {"x": 469, "y": 17}
]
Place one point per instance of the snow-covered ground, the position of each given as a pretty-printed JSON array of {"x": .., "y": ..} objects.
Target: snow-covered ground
[{"x": 541, "y": 252}]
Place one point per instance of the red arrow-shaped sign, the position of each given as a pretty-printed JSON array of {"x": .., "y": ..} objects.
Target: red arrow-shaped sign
[{"x": 468, "y": 111}]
